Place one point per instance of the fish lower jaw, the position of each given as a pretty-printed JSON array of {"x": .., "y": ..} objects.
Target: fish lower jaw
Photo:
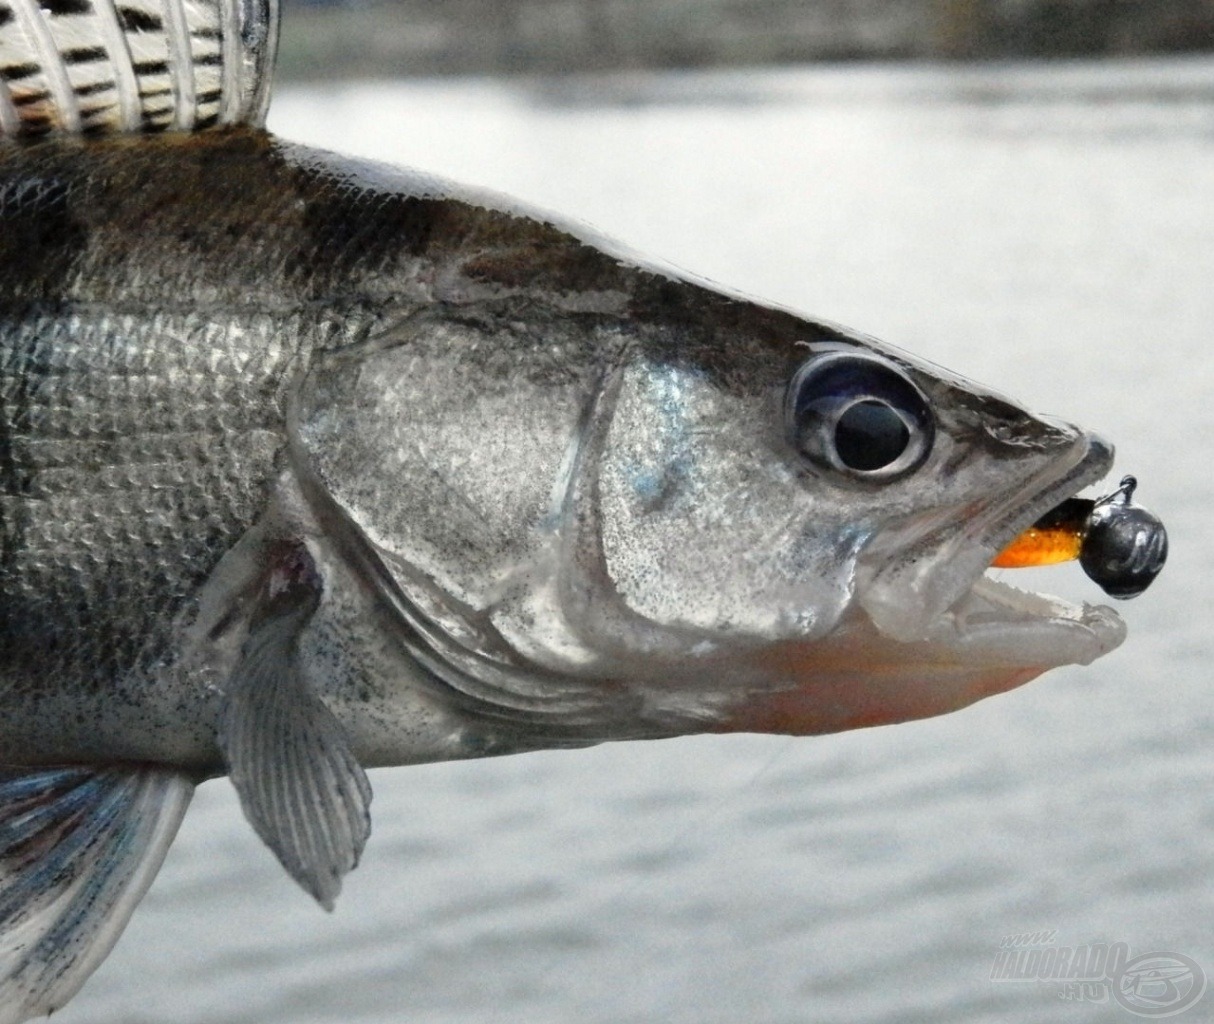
[
  {"x": 1000, "y": 622},
  {"x": 992, "y": 639}
]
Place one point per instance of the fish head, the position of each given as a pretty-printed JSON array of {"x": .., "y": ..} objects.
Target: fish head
[{"x": 707, "y": 515}]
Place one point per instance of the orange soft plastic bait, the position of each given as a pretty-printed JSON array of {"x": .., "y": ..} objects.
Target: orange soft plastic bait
[{"x": 1055, "y": 537}]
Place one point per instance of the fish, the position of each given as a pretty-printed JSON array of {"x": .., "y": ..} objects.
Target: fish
[{"x": 310, "y": 464}]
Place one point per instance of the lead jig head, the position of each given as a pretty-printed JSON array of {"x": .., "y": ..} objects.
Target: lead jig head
[{"x": 1124, "y": 544}]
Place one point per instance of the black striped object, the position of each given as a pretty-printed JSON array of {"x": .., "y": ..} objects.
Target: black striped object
[{"x": 92, "y": 67}]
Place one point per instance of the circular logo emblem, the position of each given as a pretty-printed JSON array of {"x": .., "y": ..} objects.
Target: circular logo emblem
[{"x": 1159, "y": 984}]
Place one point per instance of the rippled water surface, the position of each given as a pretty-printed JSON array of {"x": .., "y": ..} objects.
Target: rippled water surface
[{"x": 1047, "y": 230}]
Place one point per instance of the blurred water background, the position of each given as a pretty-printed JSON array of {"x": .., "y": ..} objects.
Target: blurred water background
[
  {"x": 1045, "y": 228},
  {"x": 340, "y": 38}
]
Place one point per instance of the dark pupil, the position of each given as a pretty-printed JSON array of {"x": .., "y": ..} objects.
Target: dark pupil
[{"x": 870, "y": 435}]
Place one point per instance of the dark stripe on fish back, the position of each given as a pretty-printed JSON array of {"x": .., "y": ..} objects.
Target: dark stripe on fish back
[
  {"x": 40, "y": 236},
  {"x": 348, "y": 231}
]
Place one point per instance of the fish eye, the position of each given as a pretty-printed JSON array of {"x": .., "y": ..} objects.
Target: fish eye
[{"x": 859, "y": 415}]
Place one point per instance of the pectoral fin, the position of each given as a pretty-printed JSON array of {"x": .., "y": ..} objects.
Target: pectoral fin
[
  {"x": 299, "y": 783},
  {"x": 78, "y": 849}
]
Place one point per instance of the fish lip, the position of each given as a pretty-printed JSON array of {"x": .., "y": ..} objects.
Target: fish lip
[{"x": 932, "y": 592}]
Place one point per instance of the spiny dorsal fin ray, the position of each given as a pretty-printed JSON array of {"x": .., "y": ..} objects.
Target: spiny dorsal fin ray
[
  {"x": 96, "y": 67},
  {"x": 78, "y": 849},
  {"x": 299, "y": 783}
]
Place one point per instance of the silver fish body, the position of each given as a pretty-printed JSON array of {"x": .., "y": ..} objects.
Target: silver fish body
[{"x": 566, "y": 479}]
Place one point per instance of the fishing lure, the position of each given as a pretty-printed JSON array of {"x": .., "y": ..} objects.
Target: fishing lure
[{"x": 1121, "y": 545}]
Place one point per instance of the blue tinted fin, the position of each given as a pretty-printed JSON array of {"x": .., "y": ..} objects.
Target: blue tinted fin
[
  {"x": 78, "y": 849},
  {"x": 102, "y": 67},
  {"x": 299, "y": 783}
]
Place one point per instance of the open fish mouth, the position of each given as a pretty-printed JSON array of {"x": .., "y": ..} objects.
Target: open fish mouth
[
  {"x": 1028, "y": 625},
  {"x": 933, "y": 632},
  {"x": 956, "y": 609}
]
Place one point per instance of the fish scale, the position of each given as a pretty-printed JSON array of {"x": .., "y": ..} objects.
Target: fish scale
[{"x": 136, "y": 451}]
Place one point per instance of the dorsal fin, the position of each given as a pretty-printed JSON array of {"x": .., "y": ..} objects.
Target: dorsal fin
[{"x": 98, "y": 67}]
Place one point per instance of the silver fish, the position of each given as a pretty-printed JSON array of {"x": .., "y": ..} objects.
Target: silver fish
[{"x": 309, "y": 464}]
